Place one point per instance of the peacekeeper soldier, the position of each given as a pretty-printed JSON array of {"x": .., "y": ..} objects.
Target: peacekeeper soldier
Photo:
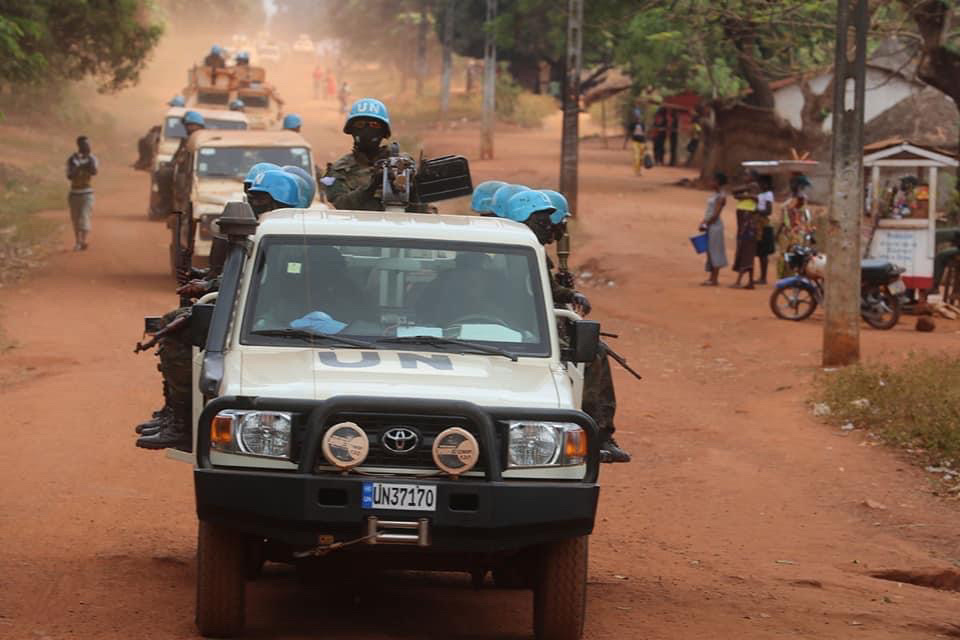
[
  {"x": 192, "y": 122},
  {"x": 535, "y": 209},
  {"x": 215, "y": 58},
  {"x": 292, "y": 122},
  {"x": 166, "y": 175},
  {"x": 170, "y": 426},
  {"x": 352, "y": 181},
  {"x": 482, "y": 199}
]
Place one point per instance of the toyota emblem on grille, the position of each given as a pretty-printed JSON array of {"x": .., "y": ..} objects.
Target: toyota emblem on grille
[{"x": 400, "y": 440}]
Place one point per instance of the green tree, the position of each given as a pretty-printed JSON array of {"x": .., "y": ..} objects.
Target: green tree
[{"x": 44, "y": 41}]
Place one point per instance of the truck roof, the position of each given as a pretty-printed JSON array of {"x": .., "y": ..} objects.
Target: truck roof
[
  {"x": 246, "y": 138},
  {"x": 216, "y": 114},
  {"x": 425, "y": 226}
]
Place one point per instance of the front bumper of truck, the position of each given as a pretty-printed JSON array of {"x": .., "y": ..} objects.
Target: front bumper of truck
[{"x": 473, "y": 514}]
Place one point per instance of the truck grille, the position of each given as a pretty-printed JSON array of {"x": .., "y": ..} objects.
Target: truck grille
[{"x": 387, "y": 432}]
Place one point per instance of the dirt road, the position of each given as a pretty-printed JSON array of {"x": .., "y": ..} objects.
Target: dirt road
[{"x": 740, "y": 516}]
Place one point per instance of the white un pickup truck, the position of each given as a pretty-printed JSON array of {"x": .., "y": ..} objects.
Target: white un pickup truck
[{"x": 391, "y": 388}]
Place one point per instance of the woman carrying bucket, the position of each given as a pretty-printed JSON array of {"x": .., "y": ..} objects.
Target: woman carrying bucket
[{"x": 713, "y": 225}]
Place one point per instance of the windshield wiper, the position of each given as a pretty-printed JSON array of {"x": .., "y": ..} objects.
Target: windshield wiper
[
  {"x": 438, "y": 341},
  {"x": 306, "y": 334}
]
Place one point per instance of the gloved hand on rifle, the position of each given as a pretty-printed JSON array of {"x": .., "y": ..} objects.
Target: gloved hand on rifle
[
  {"x": 581, "y": 305},
  {"x": 565, "y": 279},
  {"x": 194, "y": 288}
]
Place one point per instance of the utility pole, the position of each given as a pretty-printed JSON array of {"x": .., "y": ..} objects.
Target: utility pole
[
  {"x": 422, "y": 48},
  {"x": 447, "y": 60},
  {"x": 571, "y": 104},
  {"x": 489, "y": 82},
  {"x": 841, "y": 327}
]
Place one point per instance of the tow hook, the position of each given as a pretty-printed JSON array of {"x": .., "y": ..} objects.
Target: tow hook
[{"x": 379, "y": 531}]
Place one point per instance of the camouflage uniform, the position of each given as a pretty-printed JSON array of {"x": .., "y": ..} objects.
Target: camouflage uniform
[
  {"x": 175, "y": 352},
  {"x": 351, "y": 178},
  {"x": 599, "y": 397}
]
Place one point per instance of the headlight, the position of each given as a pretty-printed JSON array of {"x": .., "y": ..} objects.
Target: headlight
[
  {"x": 545, "y": 444},
  {"x": 260, "y": 433},
  {"x": 265, "y": 434}
]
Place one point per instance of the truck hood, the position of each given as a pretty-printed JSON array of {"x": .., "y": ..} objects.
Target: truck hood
[
  {"x": 218, "y": 191},
  {"x": 323, "y": 373}
]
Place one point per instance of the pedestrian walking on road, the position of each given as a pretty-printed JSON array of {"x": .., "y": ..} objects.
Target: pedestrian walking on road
[
  {"x": 81, "y": 167},
  {"x": 638, "y": 136},
  {"x": 713, "y": 225}
]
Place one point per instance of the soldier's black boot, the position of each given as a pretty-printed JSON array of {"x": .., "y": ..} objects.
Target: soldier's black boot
[
  {"x": 610, "y": 451},
  {"x": 153, "y": 424},
  {"x": 174, "y": 432}
]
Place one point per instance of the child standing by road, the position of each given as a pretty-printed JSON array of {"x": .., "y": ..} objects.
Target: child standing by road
[{"x": 81, "y": 167}]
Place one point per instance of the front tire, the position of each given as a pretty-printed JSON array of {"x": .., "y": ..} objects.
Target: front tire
[
  {"x": 221, "y": 566},
  {"x": 793, "y": 302},
  {"x": 560, "y": 592},
  {"x": 881, "y": 308}
]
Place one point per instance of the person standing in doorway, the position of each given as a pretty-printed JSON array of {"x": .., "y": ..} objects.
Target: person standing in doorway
[
  {"x": 659, "y": 134},
  {"x": 81, "y": 167},
  {"x": 673, "y": 130}
]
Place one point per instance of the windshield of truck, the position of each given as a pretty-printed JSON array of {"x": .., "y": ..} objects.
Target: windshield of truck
[
  {"x": 173, "y": 128},
  {"x": 256, "y": 100},
  {"x": 217, "y": 98},
  {"x": 396, "y": 293},
  {"x": 234, "y": 162}
]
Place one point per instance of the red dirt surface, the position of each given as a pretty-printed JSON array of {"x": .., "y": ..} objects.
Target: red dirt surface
[{"x": 740, "y": 516}]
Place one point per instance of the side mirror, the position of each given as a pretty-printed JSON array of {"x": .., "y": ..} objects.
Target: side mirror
[
  {"x": 584, "y": 341},
  {"x": 200, "y": 316}
]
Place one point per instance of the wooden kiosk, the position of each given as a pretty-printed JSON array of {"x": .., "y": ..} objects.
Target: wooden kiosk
[{"x": 901, "y": 226}]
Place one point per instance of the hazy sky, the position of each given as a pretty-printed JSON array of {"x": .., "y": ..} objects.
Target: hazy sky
[{"x": 269, "y": 7}]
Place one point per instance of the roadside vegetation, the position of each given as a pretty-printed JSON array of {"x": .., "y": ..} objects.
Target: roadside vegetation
[{"x": 914, "y": 405}]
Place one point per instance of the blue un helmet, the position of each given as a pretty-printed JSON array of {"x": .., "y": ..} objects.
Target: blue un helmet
[
  {"x": 483, "y": 196},
  {"x": 310, "y": 184},
  {"x": 241, "y": 57},
  {"x": 292, "y": 122},
  {"x": 256, "y": 170},
  {"x": 192, "y": 117},
  {"x": 559, "y": 202},
  {"x": 177, "y": 101},
  {"x": 279, "y": 185},
  {"x": 498, "y": 206},
  {"x": 237, "y": 105},
  {"x": 368, "y": 108},
  {"x": 216, "y": 50},
  {"x": 524, "y": 204}
]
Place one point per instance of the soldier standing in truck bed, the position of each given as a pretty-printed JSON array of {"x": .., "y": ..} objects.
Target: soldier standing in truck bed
[{"x": 352, "y": 181}]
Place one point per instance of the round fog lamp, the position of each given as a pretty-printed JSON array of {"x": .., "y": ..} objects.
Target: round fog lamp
[
  {"x": 345, "y": 445},
  {"x": 455, "y": 451}
]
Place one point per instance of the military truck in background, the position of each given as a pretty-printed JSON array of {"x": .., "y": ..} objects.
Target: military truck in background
[
  {"x": 218, "y": 161},
  {"x": 171, "y": 134},
  {"x": 216, "y": 88}
]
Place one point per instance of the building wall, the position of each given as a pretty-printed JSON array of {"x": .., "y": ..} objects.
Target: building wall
[{"x": 883, "y": 91}]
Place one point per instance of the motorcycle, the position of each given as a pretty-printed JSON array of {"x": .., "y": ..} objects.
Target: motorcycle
[{"x": 796, "y": 297}]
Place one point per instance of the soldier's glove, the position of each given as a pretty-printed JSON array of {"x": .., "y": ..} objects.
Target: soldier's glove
[
  {"x": 581, "y": 305},
  {"x": 565, "y": 279},
  {"x": 194, "y": 288},
  {"x": 376, "y": 181}
]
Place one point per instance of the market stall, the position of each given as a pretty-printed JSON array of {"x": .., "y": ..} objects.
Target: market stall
[{"x": 901, "y": 209}]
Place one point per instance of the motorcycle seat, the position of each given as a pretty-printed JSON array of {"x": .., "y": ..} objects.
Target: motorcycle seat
[{"x": 877, "y": 271}]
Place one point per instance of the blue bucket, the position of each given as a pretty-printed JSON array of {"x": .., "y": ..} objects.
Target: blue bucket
[{"x": 699, "y": 243}]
